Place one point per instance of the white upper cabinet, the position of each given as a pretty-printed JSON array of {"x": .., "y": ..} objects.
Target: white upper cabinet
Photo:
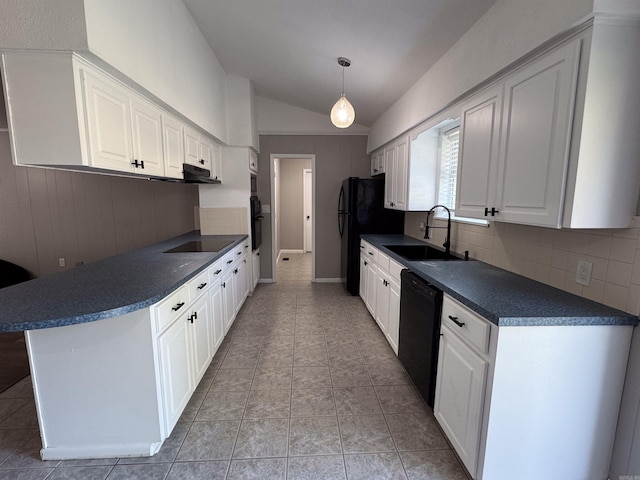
[
  {"x": 534, "y": 148},
  {"x": 65, "y": 112},
  {"x": 514, "y": 152},
  {"x": 377, "y": 162},
  {"x": 173, "y": 146},
  {"x": 566, "y": 124},
  {"x": 478, "y": 156},
  {"x": 396, "y": 165},
  {"x": 148, "y": 154},
  {"x": 253, "y": 161},
  {"x": 108, "y": 114}
]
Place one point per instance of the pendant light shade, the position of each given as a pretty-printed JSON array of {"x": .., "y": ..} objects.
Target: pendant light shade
[{"x": 342, "y": 113}]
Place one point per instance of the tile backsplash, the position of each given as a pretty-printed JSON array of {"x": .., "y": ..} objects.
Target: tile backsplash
[
  {"x": 551, "y": 256},
  {"x": 222, "y": 221}
]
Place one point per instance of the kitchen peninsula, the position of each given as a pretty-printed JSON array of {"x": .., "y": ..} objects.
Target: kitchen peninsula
[{"x": 117, "y": 347}]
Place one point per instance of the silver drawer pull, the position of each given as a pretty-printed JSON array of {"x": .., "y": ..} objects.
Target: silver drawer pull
[{"x": 456, "y": 321}]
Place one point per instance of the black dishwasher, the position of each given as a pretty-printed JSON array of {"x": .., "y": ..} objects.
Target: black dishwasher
[{"x": 420, "y": 312}]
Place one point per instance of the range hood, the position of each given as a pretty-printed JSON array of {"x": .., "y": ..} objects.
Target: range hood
[{"x": 193, "y": 174}]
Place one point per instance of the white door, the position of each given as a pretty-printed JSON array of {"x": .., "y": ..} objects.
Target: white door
[{"x": 307, "y": 201}]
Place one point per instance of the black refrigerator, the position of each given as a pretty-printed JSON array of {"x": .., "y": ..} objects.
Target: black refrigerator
[{"x": 361, "y": 210}]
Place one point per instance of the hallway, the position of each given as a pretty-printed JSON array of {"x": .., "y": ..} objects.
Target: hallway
[{"x": 304, "y": 387}]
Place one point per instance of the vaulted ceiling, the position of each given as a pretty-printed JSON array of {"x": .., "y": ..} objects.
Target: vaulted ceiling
[{"x": 289, "y": 48}]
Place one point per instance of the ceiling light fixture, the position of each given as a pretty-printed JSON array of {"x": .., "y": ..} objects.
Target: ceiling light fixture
[{"x": 342, "y": 113}]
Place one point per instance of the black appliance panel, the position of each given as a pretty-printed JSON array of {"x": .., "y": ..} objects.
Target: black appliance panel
[
  {"x": 419, "y": 339},
  {"x": 361, "y": 211},
  {"x": 256, "y": 222}
]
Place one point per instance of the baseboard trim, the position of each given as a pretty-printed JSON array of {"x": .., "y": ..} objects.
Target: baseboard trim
[
  {"x": 327, "y": 280},
  {"x": 291, "y": 251},
  {"x": 266, "y": 280},
  {"x": 100, "y": 451}
]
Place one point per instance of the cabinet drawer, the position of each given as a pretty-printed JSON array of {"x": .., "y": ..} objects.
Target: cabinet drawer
[
  {"x": 171, "y": 306},
  {"x": 228, "y": 260},
  {"x": 215, "y": 272},
  {"x": 383, "y": 261},
  {"x": 198, "y": 284},
  {"x": 237, "y": 252},
  {"x": 372, "y": 253},
  {"x": 394, "y": 269},
  {"x": 470, "y": 326}
]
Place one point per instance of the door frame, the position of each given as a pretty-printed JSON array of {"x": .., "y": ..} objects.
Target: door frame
[
  {"x": 302, "y": 156},
  {"x": 305, "y": 205}
]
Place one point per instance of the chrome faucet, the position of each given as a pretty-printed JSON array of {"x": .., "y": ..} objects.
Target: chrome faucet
[{"x": 447, "y": 241}]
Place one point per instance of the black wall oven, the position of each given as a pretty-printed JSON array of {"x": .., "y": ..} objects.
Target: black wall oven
[{"x": 256, "y": 222}]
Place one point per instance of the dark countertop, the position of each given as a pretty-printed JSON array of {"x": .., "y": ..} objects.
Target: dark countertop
[
  {"x": 106, "y": 288},
  {"x": 502, "y": 297}
]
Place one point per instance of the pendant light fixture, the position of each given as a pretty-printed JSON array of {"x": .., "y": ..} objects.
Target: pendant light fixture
[{"x": 342, "y": 113}]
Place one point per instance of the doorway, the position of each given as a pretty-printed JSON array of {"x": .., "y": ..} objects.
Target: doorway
[{"x": 293, "y": 212}]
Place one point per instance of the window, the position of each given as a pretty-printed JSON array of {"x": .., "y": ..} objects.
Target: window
[
  {"x": 448, "y": 175},
  {"x": 449, "y": 142}
]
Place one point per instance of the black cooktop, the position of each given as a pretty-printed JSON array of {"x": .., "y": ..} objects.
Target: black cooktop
[{"x": 212, "y": 245}]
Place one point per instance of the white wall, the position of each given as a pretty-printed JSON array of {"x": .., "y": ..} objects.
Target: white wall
[
  {"x": 509, "y": 29},
  {"x": 158, "y": 45},
  {"x": 42, "y": 24},
  {"x": 278, "y": 118},
  {"x": 241, "y": 119}
]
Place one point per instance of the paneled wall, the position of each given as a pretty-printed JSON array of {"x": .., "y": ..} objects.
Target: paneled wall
[
  {"x": 337, "y": 157},
  {"x": 551, "y": 256},
  {"x": 50, "y": 214}
]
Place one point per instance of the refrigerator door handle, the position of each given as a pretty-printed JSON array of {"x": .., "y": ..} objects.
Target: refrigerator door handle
[{"x": 341, "y": 211}]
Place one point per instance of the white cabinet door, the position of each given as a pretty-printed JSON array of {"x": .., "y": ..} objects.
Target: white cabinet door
[
  {"x": 202, "y": 337},
  {"x": 372, "y": 283},
  {"x": 175, "y": 370},
  {"x": 228, "y": 299},
  {"x": 393, "y": 321},
  {"x": 216, "y": 162},
  {"x": 240, "y": 281},
  {"x": 462, "y": 377},
  {"x": 108, "y": 115},
  {"x": 191, "y": 147},
  {"x": 173, "y": 146},
  {"x": 389, "y": 160},
  {"x": 217, "y": 315},
  {"x": 256, "y": 267},
  {"x": 400, "y": 174},
  {"x": 206, "y": 153},
  {"x": 382, "y": 300},
  {"x": 536, "y": 128},
  {"x": 478, "y": 156},
  {"x": 146, "y": 121},
  {"x": 248, "y": 274},
  {"x": 364, "y": 263},
  {"x": 253, "y": 161}
]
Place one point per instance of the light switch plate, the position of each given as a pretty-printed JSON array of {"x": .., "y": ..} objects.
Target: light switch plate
[
  {"x": 583, "y": 274},
  {"x": 266, "y": 208}
]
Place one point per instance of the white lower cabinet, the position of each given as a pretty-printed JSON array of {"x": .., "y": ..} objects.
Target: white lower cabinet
[
  {"x": 380, "y": 290},
  {"x": 255, "y": 257},
  {"x": 520, "y": 401},
  {"x": 201, "y": 329},
  {"x": 174, "y": 353},
  {"x": 228, "y": 299},
  {"x": 462, "y": 377}
]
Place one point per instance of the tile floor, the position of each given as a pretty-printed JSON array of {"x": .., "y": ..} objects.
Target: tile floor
[{"x": 304, "y": 387}]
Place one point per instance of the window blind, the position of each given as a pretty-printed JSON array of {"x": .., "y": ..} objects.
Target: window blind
[{"x": 449, "y": 168}]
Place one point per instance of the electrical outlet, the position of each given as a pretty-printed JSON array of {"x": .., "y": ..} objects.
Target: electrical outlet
[
  {"x": 61, "y": 262},
  {"x": 421, "y": 227},
  {"x": 583, "y": 274}
]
